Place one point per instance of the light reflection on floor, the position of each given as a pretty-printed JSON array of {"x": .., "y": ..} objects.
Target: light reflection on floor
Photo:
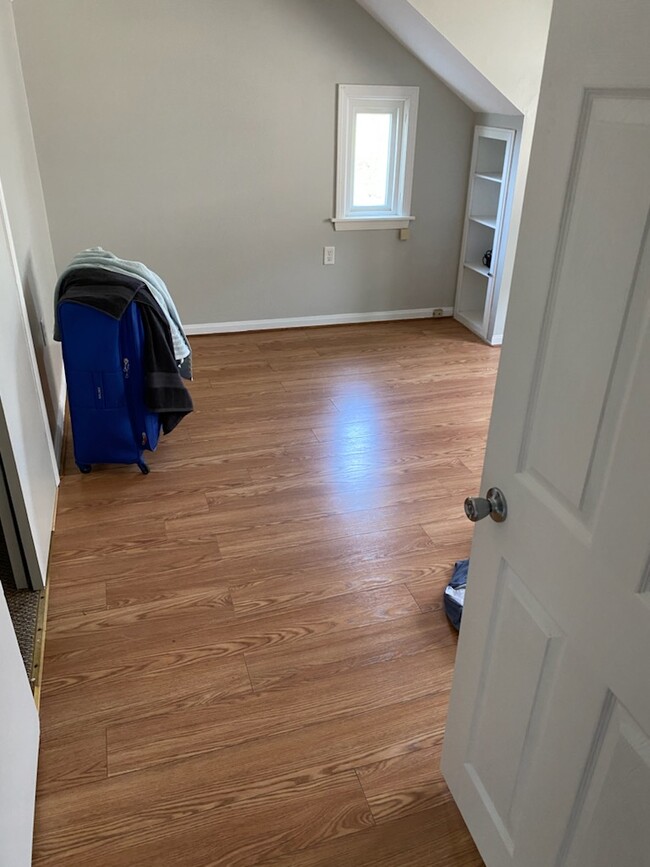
[{"x": 357, "y": 440}]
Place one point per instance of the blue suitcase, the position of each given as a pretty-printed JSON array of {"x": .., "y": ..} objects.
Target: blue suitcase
[{"x": 104, "y": 372}]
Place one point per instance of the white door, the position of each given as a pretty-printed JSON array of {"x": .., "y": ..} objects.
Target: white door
[
  {"x": 28, "y": 460},
  {"x": 18, "y": 750},
  {"x": 547, "y": 750},
  {"x": 27, "y": 451}
]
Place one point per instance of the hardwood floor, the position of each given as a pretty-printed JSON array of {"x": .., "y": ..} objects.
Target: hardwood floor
[{"x": 247, "y": 662}]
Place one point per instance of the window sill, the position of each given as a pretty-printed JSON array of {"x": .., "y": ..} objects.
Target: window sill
[{"x": 347, "y": 224}]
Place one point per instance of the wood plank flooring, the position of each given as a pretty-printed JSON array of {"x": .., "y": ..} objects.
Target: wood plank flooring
[{"x": 247, "y": 661}]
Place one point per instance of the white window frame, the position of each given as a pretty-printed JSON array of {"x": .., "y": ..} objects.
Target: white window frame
[{"x": 402, "y": 103}]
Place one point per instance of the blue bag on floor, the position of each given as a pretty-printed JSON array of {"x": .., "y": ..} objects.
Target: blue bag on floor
[{"x": 454, "y": 597}]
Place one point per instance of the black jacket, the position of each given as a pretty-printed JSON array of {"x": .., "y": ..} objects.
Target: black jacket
[{"x": 111, "y": 293}]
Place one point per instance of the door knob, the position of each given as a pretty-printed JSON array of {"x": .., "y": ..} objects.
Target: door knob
[{"x": 493, "y": 504}]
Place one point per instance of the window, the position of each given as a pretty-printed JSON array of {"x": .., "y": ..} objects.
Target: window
[{"x": 376, "y": 146}]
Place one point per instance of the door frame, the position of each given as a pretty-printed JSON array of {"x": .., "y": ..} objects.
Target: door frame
[{"x": 36, "y": 573}]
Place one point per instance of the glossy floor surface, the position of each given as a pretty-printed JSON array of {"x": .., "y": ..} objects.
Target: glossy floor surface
[{"x": 246, "y": 657}]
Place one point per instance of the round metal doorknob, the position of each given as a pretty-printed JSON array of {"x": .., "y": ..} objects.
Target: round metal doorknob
[
  {"x": 493, "y": 504},
  {"x": 477, "y": 508}
]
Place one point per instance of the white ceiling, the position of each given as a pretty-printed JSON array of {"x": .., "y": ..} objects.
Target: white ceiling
[{"x": 438, "y": 54}]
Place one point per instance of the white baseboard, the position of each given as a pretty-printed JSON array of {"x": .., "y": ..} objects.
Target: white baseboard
[
  {"x": 313, "y": 321},
  {"x": 60, "y": 420}
]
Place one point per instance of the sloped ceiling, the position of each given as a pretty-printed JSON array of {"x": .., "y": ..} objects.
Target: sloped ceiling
[{"x": 445, "y": 61}]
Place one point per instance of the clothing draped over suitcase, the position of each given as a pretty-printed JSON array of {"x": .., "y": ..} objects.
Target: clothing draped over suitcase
[
  {"x": 121, "y": 361},
  {"x": 111, "y": 293},
  {"x": 97, "y": 257}
]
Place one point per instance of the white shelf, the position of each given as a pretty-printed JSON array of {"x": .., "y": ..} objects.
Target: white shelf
[
  {"x": 497, "y": 177},
  {"x": 473, "y": 319},
  {"x": 485, "y": 220},
  {"x": 479, "y": 267},
  {"x": 477, "y": 290}
]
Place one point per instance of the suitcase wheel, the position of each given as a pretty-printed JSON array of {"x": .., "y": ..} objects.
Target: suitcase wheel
[
  {"x": 144, "y": 469},
  {"x": 84, "y": 468}
]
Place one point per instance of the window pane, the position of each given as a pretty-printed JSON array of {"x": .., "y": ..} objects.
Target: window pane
[{"x": 371, "y": 150}]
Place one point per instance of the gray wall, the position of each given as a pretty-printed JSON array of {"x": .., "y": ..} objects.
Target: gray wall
[
  {"x": 199, "y": 137},
  {"x": 24, "y": 196}
]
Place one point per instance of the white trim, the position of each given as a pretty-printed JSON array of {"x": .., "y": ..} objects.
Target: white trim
[
  {"x": 346, "y": 224},
  {"x": 314, "y": 321},
  {"x": 60, "y": 419},
  {"x": 402, "y": 103},
  {"x": 38, "y": 386}
]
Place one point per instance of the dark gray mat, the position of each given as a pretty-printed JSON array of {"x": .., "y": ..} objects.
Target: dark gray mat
[{"x": 23, "y": 608}]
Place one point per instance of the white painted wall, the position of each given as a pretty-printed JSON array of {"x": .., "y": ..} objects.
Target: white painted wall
[
  {"x": 33, "y": 261},
  {"x": 437, "y": 53},
  {"x": 21, "y": 181},
  {"x": 504, "y": 39},
  {"x": 199, "y": 137}
]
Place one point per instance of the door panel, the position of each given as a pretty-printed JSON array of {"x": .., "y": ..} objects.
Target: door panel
[
  {"x": 609, "y": 186},
  {"x": 611, "y": 826},
  {"x": 520, "y": 662},
  {"x": 547, "y": 750}
]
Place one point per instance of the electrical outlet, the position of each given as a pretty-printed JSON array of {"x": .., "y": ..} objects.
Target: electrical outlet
[
  {"x": 437, "y": 312},
  {"x": 329, "y": 255}
]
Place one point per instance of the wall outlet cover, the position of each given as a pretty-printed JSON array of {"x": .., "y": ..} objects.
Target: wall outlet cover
[
  {"x": 329, "y": 255},
  {"x": 438, "y": 312}
]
